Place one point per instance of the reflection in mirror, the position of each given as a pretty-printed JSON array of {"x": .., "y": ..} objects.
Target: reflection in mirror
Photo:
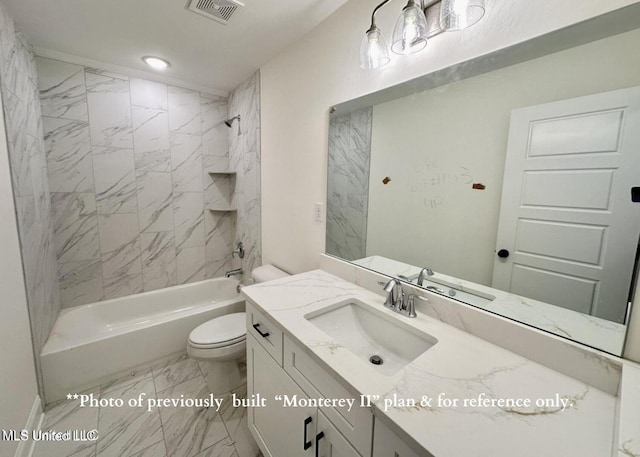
[{"x": 513, "y": 186}]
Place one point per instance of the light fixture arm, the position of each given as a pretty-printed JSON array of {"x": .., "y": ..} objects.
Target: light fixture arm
[
  {"x": 375, "y": 10},
  {"x": 373, "y": 15}
]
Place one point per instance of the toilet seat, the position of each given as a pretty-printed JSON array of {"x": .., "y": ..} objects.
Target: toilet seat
[{"x": 220, "y": 332}]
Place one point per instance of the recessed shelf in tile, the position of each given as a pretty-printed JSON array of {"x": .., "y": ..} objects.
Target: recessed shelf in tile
[
  {"x": 224, "y": 209},
  {"x": 214, "y": 171}
]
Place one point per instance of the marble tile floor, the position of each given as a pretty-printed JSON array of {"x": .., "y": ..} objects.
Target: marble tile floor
[{"x": 162, "y": 432}]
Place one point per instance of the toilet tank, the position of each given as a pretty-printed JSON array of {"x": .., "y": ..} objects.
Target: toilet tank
[{"x": 267, "y": 273}]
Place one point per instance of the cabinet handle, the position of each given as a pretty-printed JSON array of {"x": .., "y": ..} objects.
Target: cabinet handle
[
  {"x": 319, "y": 436},
  {"x": 307, "y": 443},
  {"x": 263, "y": 335}
]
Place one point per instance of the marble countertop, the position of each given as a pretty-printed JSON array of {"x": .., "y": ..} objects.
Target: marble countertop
[
  {"x": 593, "y": 331},
  {"x": 629, "y": 426},
  {"x": 461, "y": 366}
]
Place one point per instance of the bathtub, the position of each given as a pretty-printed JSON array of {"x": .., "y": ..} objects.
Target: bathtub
[{"x": 93, "y": 344}]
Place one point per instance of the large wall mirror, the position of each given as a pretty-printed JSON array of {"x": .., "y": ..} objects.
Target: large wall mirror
[{"x": 506, "y": 182}]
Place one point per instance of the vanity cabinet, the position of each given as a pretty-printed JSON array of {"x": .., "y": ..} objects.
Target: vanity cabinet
[
  {"x": 293, "y": 431},
  {"x": 298, "y": 431}
]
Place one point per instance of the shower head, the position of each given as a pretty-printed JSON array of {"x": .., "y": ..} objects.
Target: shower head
[{"x": 229, "y": 122}]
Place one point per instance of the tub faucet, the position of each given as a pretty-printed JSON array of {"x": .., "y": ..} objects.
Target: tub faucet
[
  {"x": 236, "y": 272},
  {"x": 423, "y": 273}
]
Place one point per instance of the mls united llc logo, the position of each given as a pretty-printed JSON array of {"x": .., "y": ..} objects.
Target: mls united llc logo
[{"x": 49, "y": 435}]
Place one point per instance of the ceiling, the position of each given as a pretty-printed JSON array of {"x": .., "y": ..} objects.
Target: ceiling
[{"x": 201, "y": 51}]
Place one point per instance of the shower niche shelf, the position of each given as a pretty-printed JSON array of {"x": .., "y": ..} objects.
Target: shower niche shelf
[
  {"x": 215, "y": 171},
  {"x": 220, "y": 199},
  {"x": 222, "y": 209}
]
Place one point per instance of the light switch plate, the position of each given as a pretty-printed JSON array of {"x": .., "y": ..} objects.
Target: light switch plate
[{"x": 318, "y": 211}]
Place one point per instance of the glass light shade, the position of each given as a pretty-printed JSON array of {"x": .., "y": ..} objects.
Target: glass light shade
[
  {"x": 460, "y": 14},
  {"x": 373, "y": 50},
  {"x": 410, "y": 32}
]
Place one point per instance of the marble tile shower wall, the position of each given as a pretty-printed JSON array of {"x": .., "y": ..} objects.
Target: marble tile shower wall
[
  {"x": 127, "y": 161},
  {"x": 19, "y": 85},
  {"x": 244, "y": 158},
  {"x": 348, "y": 184}
]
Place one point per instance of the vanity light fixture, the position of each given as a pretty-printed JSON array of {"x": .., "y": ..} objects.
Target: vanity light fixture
[
  {"x": 419, "y": 20},
  {"x": 156, "y": 62}
]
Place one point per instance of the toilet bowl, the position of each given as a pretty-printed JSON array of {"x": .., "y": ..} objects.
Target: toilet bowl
[{"x": 221, "y": 342}]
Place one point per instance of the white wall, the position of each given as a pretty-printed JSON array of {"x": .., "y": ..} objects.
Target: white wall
[
  {"x": 322, "y": 69},
  {"x": 18, "y": 387},
  {"x": 417, "y": 140}
]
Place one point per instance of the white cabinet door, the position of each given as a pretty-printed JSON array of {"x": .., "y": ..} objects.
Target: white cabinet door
[
  {"x": 566, "y": 215},
  {"x": 388, "y": 444},
  {"x": 330, "y": 441},
  {"x": 356, "y": 424},
  {"x": 279, "y": 431}
]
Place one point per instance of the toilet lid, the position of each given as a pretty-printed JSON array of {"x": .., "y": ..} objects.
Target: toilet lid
[{"x": 221, "y": 331}]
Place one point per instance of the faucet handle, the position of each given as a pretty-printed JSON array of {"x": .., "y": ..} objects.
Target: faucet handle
[
  {"x": 239, "y": 250},
  {"x": 411, "y": 306}
]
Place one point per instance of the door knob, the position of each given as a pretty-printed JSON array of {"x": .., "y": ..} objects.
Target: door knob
[{"x": 503, "y": 253}]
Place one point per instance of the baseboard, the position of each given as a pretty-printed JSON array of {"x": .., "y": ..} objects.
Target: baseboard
[{"x": 34, "y": 422}]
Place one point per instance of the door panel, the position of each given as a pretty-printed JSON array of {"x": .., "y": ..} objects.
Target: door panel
[
  {"x": 581, "y": 243},
  {"x": 549, "y": 286},
  {"x": 590, "y": 189},
  {"x": 594, "y": 132}
]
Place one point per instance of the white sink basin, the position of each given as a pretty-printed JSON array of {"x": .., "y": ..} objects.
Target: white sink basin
[{"x": 367, "y": 333}]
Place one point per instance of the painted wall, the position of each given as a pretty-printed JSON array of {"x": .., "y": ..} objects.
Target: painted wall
[
  {"x": 417, "y": 140},
  {"x": 348, "y": 184},
  {"x": 127, "y": 167},
  {"x": 244, "y": 158},
  {"x": 18, "y": 386},
  {"x": 21, "y": 106}
]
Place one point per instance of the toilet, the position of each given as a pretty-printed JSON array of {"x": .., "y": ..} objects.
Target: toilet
[{"x": 221, "y": 342}]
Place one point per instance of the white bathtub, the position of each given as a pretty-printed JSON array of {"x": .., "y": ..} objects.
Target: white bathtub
[{"x": 96, "y": 343}]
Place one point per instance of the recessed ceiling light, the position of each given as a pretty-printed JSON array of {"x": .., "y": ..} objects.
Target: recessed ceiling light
[{"x": 156, "y": 62}]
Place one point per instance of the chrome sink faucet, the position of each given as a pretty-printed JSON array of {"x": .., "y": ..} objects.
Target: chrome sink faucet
[
  {"x": 424, "y": 273},
  {"x": 395, "y": 294},
  {"x": 396, "y": 301}
]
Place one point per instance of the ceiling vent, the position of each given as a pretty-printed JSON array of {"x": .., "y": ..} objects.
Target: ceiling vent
[{"x": 218, "y": 10}]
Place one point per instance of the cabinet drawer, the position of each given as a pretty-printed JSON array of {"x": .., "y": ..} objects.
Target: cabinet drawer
[
  {"x": 265, "y": 331},
  {"x": 356, "y": 425}
]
